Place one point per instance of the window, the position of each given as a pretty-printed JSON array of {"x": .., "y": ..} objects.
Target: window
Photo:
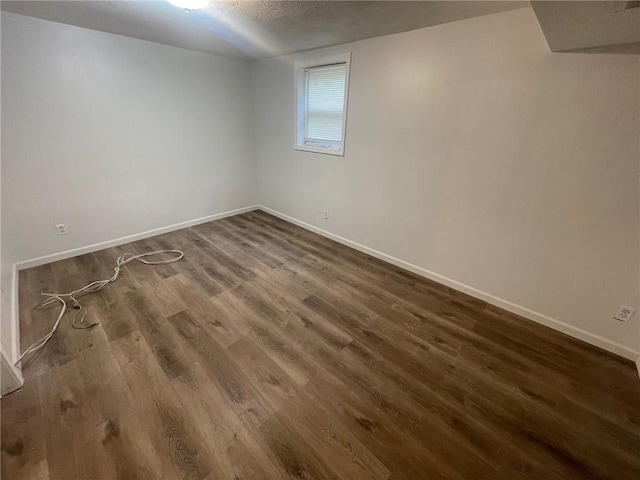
[{"x": 322, "y": 88}]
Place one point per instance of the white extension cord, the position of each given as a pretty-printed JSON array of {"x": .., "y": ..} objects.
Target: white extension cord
[{"x": 92, "y": 288}]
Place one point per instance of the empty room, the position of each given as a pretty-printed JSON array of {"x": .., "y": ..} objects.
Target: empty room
[{"x": 356, "y": 240}]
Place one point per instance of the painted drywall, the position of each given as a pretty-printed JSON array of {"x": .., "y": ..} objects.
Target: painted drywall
[
  {"x": 6, "y": 328},
  {"x": 471, "y": 152},
  {"x": 113, "y": 136},
  {"x": 475, "y": 153},
  {"x": 6, "y": 320}
]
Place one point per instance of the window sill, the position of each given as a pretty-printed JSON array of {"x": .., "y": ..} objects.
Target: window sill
[{"x": 326, "y": 151}]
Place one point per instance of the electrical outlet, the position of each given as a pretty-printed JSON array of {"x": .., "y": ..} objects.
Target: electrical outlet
[
  {"x": 326, "y": 214},
  {"x": 62, "y": 230},
  {"x": 624, "y": 313}
]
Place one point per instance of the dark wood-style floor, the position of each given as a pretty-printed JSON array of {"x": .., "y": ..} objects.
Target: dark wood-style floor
[{"x": 270, "y": 352}]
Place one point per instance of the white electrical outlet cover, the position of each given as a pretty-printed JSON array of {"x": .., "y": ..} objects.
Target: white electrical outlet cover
[{"x": 624, "y": 313}]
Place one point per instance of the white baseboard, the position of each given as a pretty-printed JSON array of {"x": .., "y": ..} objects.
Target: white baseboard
[
  {"x": 525, "y": 312},
  {"x": 74, "y": 252},
  {"x": 563, "y": 327},
  {"x": 34, "y": 262},
  {"x": 10, "y": 376},
  {"x": 15, "y": 319}
]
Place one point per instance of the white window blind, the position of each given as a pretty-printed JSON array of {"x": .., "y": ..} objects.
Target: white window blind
[{"x": 325, "y": 103}]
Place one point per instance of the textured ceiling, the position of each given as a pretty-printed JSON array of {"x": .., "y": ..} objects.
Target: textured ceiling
[
  {"x": 251, "y": 30},
  {"x": 599, "y": 27}
]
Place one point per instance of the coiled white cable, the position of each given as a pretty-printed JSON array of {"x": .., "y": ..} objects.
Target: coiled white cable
[{"x": 71, "y": 298}]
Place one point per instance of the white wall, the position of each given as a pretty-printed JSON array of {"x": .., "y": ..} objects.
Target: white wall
[
  {"x": 114, "y": 136},
  {"x": 6, "y": 320},
  {"x": 475, "y": 153},
  {"x": 472, "y": 152}
]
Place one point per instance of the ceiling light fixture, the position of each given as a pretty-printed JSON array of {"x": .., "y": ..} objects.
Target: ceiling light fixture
[{"x": 189, "y": 5}]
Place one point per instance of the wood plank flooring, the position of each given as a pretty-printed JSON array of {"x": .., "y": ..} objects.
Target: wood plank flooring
[{"x": 270, "y": 352}]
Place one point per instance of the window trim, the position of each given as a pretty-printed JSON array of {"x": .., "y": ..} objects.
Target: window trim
[{"x": 300, "y": 71}]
